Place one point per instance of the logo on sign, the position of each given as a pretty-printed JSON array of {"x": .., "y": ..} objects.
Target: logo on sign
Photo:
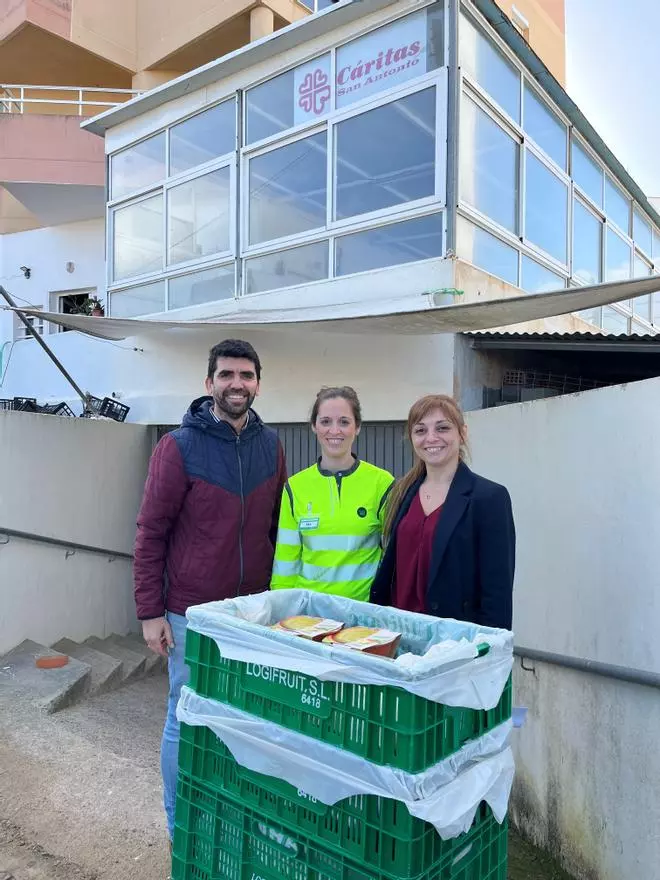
[{"x": 314, "y": 92}]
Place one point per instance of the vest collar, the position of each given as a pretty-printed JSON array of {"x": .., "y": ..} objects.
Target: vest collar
[{"x": 347, "y": 473}]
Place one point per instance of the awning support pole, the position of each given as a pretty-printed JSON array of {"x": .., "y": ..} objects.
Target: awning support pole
[{"x": 81, "y": 394}]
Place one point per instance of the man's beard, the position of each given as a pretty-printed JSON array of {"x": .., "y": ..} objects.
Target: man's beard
[{"x": 231, "y": 409}]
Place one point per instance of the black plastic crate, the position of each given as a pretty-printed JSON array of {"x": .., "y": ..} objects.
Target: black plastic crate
[
  {"x": 57, "y": 409},
  {"x": 25, "y": 404},
  {"x": 112, "y": 409}
]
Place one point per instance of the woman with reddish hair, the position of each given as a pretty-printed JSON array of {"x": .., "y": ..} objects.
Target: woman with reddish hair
[{"x": 450, "y": 537}]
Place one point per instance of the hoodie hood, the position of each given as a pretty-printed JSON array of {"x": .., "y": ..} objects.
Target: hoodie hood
[{"x": 199, "y": 417}]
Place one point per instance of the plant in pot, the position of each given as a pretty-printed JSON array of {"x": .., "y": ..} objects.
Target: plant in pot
[{"x": 92, "y": 306}]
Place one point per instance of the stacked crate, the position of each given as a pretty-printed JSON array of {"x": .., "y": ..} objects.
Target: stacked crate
[{"x": 235, "y": 824}]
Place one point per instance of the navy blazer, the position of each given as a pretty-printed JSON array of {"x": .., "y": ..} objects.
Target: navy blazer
[{"x": 473, "y": 557}]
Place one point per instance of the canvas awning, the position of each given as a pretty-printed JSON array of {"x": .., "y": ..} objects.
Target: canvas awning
[{"x": 412, "y": 315}]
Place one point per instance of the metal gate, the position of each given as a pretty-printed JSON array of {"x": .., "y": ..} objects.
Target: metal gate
[{"x": 381, "y": 443}]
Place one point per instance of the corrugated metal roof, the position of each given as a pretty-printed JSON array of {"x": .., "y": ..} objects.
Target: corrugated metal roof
[{"x": 649, "y": 343}]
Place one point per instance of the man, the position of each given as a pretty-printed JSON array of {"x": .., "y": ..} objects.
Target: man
[{"x": 208, "y": 520}]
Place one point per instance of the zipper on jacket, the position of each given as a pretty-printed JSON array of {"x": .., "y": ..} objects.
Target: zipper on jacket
[{"x": 240, "y": 532}]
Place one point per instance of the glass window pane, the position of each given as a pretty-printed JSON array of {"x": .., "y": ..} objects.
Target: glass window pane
[
  {"x": 543, "y": 126},
  {"x": 613, "y": 321},
  {"x": 137, "y": 167},
  {"x": 203, "y": 137},
  {"x": 642, "y": 304},
  {"x": 642, "y": 232},
  {"x": 389, "y": 56},
  {"x": 538, "y": 279},
  {"x": 390, "y": 245},
  {"x": 287, "y": 192},
  {"x": 487, "y": 252},
  {"x": 656, "y": 309},
  {"x": 401, "y": 170},
  {"x": 148, "y": 299},
  {"x": 488, "y": 166},
  {"x": 546, "y": 208},
  {"x": 587, "y": 174},
  {"x": 138, "y": 238},
  {"x": 210, "y": 285},
  {"x": 300, "y": 265},
  {"x": 617, "y": 206},
  {"x": 656, "y": 245},
  {"x": 590, "y": 315},
  {"x": 292, "y": 98},
  {"x": 638, "y": 329},
  {"x": 617, "y": 265},
  {"x": 198, "y": 214},
  {"x": 587, "y": 242},
  {"x": 486, "y": 64}
]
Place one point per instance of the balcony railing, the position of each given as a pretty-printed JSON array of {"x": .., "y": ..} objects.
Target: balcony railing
[{"x": 61, "y": 100}]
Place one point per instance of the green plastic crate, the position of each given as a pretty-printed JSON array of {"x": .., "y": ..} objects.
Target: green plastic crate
[
  {"x": 386, "y": 725},
  {"x": 378, "y": 832},
  {"x": 218, "y": 839}
]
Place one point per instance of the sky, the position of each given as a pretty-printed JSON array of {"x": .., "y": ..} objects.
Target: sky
[{"x": 613, "y": 75}]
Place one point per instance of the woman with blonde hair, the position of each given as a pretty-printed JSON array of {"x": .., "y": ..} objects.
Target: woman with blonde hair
[{"x": 450, "y": 535}]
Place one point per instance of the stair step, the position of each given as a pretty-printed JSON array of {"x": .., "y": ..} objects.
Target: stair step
[
  {"x": 133, "y": 664},
  {"x": 107, "y": 671},
  {"x": 49, "y": 689},
  {"x": 155, "y": 662}
]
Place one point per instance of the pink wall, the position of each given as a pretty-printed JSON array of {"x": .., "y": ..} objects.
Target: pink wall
[{"x": 49, "y": 149}]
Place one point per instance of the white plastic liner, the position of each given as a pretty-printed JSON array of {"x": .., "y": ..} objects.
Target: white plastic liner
[
  {"x": 438, "y": 657},
  {"x": 447, "y": 795}
]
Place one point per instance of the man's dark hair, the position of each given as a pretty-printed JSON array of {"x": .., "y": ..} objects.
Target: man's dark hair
[{"x": 233, "y": 348}]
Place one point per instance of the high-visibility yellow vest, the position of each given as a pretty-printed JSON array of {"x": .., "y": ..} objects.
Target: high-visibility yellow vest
[{"x": 329, "y": 536}]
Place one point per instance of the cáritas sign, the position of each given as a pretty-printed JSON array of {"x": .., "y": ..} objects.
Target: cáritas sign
[{"x": 380, "y": 60}]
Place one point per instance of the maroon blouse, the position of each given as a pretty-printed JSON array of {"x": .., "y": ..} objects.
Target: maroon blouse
[{"x": 414, "y": 544}]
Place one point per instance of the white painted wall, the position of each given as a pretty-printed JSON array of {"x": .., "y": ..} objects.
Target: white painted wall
[
  {"x": 159, "y": 380},
  {"x": 75, "y": 480},
  {"x": 46, "y": 252},
  {"x": 584, "y": 475}
]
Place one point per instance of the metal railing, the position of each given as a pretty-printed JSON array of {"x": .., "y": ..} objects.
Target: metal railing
[{"x": 52, "y": 99}]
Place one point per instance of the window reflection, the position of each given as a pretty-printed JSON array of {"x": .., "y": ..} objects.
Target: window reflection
[
  {"x": 488, "y": 166},
  {"x": 486, "y": 64},
  {"x": 544, "y": 127},
  {"x": 487, "y": 252},
  {"x": 537, "y": 279},
  {"x": 546, "y": 208},
  {"x": 587, "y": 243}
]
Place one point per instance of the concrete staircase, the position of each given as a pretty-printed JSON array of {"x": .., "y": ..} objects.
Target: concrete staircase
[{"x": 94, "y": 666}]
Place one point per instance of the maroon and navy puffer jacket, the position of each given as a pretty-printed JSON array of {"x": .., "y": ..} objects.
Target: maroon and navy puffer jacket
[{"x": 208, "y": 520}]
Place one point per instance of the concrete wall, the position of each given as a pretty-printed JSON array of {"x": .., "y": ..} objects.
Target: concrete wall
[
  {"x": 584, "y": 475},
  {"x": 78, "y": 481}
]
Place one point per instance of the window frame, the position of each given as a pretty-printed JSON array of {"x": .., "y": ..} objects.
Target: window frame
[
  {"x": 437, "y": 80},
  {"x": 198, "y": 169},
  {"x": 600, "y": 218},
  {"x": 528, "y": 83},
  {"x": 510, "y": 130},
  {"x": 535, "y": 249},
  {"x": 183, "y": 179},
  {"x": 145, "y": 276}
]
